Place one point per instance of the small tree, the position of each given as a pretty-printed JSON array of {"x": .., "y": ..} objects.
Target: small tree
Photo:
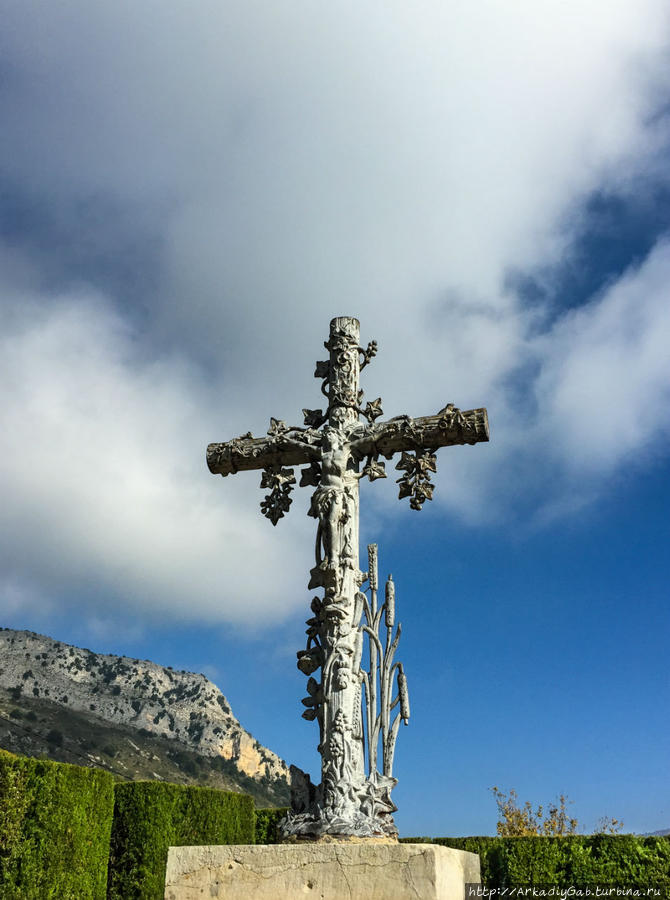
[
  {"x": 607, "y": 825},
  {"x": 515, "y": 821}
]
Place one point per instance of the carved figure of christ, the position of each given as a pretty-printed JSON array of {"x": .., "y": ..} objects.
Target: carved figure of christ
[{"x": 333, "y": 445}]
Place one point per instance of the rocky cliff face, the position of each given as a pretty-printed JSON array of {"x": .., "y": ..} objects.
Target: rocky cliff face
[{"x": 181, "y": 706}]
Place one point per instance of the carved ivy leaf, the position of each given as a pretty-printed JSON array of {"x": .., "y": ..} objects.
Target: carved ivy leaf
[
  {"x": 405, "y": 488},
  {"x": 415, "y": 483},
  {"x": 427, "y": 462},
  {"x": 407, "y": 462},
  {"x": 322, "y": 369},
  {"x": 309, "y": 714},
  {"x": 278, "y": 501},
  {"x": 311, "y": 475},
  {"x": 277, "y": 426},
  {"x": 427, "y": 489},
  {"x": 314, "y": 418},
  {"x": 277, "y": 478},
  {"x": 373, "y": 410},
  {"x": 374, "y": 469}
]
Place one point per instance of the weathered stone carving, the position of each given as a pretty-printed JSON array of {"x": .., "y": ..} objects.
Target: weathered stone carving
[
  {"x": 352, "y": 706},
  {"x": 416, "y": 483}
]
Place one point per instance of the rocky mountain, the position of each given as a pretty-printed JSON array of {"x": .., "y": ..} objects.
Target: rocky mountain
[{"x": 180, "y": 714}]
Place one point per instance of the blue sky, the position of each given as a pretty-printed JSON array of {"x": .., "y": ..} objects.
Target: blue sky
[{"x": 188, "y": 195}]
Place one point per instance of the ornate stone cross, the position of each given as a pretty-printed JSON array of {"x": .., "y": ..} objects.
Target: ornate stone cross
[{"x": 351, "y": 705}]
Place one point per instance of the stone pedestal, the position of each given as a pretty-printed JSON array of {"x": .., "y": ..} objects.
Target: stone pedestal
[{"x": 320, "y": 871}]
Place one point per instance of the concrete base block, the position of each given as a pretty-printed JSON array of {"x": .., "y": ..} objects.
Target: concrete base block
[{"x": 320, "y": 871}]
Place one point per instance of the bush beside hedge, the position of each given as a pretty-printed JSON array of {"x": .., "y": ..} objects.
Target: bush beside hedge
[
  {"x": 55, "y": 823},
  {"x": 267, "y": 821},
  {"x": 626, "y": 860},
  {"x": 151, "y": 816}
]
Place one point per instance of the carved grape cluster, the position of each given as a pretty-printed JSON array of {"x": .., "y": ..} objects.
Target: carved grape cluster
[
  {"x": 415, "y": 483},
  {"x": 277, "y": 502}
]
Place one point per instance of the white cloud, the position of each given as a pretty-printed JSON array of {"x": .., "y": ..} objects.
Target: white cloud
[
  {"x": 107, "y": 499},
  {"x": 295, "y": 162},
  {"x": 605, "y": 381}
]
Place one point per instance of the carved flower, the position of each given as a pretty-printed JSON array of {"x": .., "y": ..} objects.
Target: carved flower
[{"x": 340, "y": 723}]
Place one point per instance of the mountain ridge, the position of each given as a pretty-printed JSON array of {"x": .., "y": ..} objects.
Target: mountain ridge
[{"x": 184, "y": 710}]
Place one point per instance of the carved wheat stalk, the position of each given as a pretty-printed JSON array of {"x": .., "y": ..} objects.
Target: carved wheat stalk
[{"x": 382, "y": 669}]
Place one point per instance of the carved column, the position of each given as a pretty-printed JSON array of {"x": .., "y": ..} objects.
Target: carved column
[{"x": 343, "y": 766}]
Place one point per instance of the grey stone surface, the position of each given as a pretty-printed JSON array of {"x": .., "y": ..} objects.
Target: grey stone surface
[
  {"x": 321, "y": 871},
  {"x": 352, "y": 706}
]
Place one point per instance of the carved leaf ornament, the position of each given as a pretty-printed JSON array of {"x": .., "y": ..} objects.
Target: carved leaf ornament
[
  {"x": 277, "y": 502},
  {"x": 415, "y": 483}
]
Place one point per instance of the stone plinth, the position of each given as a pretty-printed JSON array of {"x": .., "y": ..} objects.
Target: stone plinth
[{"x": 320, "y": 871}]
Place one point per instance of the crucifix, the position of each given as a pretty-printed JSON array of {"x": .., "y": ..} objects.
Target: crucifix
[{"x": 352, "y": 705}]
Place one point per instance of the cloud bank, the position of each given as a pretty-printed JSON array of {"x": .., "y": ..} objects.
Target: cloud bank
[{"x": 192, "y": 193}]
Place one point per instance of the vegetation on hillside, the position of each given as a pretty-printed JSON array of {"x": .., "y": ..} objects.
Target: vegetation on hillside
[{"x": 36, "y": 727}]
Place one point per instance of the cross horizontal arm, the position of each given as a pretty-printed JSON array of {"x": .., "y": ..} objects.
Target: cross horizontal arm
[
  {"x": 450, "y": 426},
  {"x": 290, "y": 448}
]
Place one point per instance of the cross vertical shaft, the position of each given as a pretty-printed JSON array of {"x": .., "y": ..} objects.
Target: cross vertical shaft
[{"x": 337, "y": 616}]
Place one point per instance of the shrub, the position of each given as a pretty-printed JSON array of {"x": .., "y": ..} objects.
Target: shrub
[
  {"x": 55, "y": 823},
  {"x": 625, "y": 860},
  {"x": 151, "y": 816},
  {"x": 55, "y": 737},
  {"x": 267, "y": 821}
]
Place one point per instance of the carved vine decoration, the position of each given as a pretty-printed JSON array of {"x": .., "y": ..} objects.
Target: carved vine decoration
[
  {"x": 415, "y": 483},
  {"x": 280, "y": 481}
]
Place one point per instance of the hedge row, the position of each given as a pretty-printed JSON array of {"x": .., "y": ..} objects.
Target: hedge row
[
  {"x": 151, "y": 816},
  {"x": 70, "y": 833},
  {"x": 55, "y": 822},
  {"x": 572, "y": 861},
  {"x": 60, "y": 825}
]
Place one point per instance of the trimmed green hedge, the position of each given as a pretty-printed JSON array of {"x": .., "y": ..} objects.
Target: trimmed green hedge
[
  {"x": 266, "y": 824},
  {"x": 55, "y": 823},
  {"x": 151, "y": 816},
  {"x": 626, "y": 860}
]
